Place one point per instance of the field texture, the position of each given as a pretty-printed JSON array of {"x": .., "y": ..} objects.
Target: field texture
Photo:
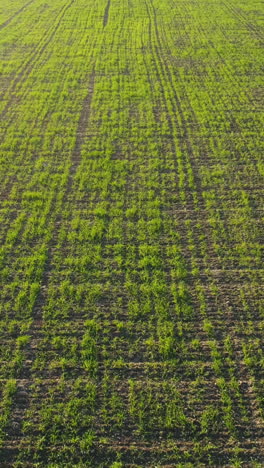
[{"x": 131, "y": 227}]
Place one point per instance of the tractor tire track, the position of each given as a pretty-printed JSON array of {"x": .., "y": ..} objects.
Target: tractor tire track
[
  {"x": 26, "y": 70},
  {"x": 198, "y": 189},
  {"x": 8, "y": 21},
  {"x": 22, "y": 398},
  {"x": 106, "y": 13},
  {"x": 241, "y": 17},
  {"x": 83, "y": 125},
  {"x": 20, "y": 79},
  {"x": 177, "y": 132}
]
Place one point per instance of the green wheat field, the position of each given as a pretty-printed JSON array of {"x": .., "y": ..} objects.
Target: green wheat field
[{"x": 131, "y": 231}]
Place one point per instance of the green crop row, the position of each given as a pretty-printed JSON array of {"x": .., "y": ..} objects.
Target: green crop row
[{"x": 131, "y": 217}]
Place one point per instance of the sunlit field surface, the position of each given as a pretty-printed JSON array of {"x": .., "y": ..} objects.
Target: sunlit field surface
[{"x": 131, "y": 227}]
